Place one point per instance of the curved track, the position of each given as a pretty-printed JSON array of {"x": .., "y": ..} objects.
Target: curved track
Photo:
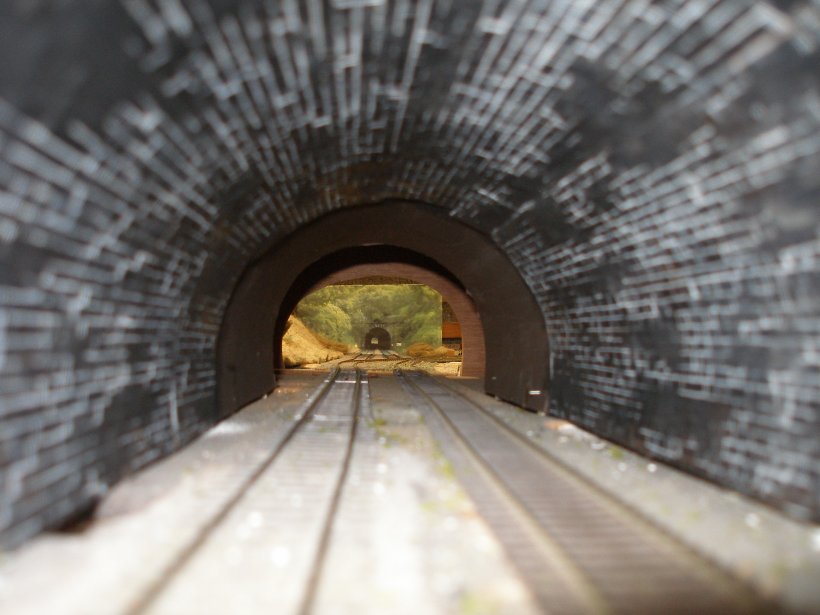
[
  {"x": 578, "y": 550},
  {"x": 389, "y": 360},
  {"x": 378, "y": 360}
]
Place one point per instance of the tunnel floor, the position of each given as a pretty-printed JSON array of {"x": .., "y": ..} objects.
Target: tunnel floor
[{"x": 356, "y": 493}]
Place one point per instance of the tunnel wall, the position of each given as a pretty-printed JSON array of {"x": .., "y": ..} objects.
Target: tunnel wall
[{"x": 650, "y": 168}]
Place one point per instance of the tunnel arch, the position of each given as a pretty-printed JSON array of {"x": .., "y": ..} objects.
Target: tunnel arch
[
  {"x": 516, "y": 339},
  {"x": 473, "y": 354},
  {"x": 377, "y": 338}
]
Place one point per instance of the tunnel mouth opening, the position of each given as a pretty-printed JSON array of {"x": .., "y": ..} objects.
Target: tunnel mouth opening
[
  {"x": 377, "y": 338},
  {"x": 390, "y": 310}
]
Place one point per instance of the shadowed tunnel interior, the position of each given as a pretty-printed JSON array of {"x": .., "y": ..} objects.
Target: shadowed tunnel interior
[
  {"x": 377, "y": 338},
  {"x": 638, "y": 180}
]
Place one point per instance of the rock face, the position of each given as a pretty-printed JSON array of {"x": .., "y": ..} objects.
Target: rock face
[
  {"x": 301, "y": 347},
  {"x": 650, "y": 169}
]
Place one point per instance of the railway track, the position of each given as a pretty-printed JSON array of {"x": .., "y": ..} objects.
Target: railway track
[
  {"x": 309, "y": 520},
  {"x": 298, "y": 486},
  {"x": 577, "y": 549},
  {"x": 389, "y": 359},
  {"x": 376, "y": 358}
]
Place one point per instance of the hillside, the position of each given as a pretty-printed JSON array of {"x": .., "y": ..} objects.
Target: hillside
[{"x": 301, "y": 346}]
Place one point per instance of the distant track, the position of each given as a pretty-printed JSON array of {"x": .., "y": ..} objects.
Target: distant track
[{"x": 377, "y": 358}]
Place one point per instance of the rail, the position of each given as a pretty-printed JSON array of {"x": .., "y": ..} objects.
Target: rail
[
  {"x": 577, "y": 548},
  {"x": 324, "y": 431}
]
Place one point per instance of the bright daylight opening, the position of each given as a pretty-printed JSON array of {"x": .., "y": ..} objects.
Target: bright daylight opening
[{"x": 378, "y": 324}]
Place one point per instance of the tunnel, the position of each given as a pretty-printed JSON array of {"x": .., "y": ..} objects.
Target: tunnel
[
  {"x": 515, "y": 360},
  {"x": 377, "y": 338},
  {"x": 382, "y": 263},
  {"x": 626, "y": 190}
]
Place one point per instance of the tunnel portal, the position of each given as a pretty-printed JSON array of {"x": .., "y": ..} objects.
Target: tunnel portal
[
  {"x": 377, "y": 338},
  {"x": 462, "y": 327}
]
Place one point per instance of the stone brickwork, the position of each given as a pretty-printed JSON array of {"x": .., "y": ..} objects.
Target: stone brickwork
[{"x": 650, "y": 167}]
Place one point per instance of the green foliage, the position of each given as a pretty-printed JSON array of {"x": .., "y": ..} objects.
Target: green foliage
[
  {"x": 410, "y": 312},
  {"x": 325, "y": 318}
]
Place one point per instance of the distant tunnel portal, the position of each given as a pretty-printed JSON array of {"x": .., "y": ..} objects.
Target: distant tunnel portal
[{"x": 377, "y": 338}]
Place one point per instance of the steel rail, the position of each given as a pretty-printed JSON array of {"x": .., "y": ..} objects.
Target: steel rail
[
  {"x": 557, "y": 585},
  {"x": 169, "y": 573},
  {"x": 629, "y": 563},
  {"x": 315, "y": 577}
]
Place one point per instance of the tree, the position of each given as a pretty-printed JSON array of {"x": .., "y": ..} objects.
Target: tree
[{"x": 412, "y": 312}]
